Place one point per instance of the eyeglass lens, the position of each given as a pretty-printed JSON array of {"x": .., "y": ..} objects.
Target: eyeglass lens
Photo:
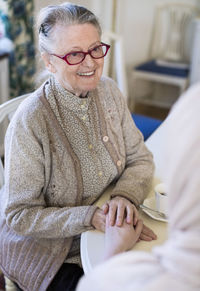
[{"x": 77, "y": 57}]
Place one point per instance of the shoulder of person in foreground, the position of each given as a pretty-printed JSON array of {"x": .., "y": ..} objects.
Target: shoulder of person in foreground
[{"x": 124, "y": 271}]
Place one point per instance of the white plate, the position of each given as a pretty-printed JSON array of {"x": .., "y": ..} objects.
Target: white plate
[{"x": 151, "y": 203}]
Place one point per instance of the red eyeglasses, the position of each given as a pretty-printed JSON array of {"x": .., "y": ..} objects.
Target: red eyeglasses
[{"x": 77, "y": 57}]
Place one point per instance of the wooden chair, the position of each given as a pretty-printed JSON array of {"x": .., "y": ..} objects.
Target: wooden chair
[{"x": 7, "y": 110}]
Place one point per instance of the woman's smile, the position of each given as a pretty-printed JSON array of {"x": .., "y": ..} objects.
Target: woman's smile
[{"x": 86, "y": 74}]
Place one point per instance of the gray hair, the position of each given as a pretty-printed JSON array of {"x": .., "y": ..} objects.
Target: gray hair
[{"x": 63, "y": 14}]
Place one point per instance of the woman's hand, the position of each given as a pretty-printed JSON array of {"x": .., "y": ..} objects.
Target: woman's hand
[
  {"x": 147, "y": 234},
  {"x": 118, "y": 209},
  {"x": 99, "y": 220},
  {"x": 120, "y": 238}
]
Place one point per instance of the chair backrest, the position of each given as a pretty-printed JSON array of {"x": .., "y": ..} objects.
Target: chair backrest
[
  {"x": 114, "y": 63},
  {"x": 172, "y": 34},
  {"x": 7, "y": 110}
]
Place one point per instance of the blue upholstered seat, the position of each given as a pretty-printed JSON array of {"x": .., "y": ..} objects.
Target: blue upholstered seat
[
  {"x": 147, "y": 125},
  {"x": 153, "y": 67}
]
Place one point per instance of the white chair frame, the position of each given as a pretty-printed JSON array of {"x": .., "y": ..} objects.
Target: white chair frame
[
  {"x": 7, "y": 110},
  {"x": 119, "y": 60}
]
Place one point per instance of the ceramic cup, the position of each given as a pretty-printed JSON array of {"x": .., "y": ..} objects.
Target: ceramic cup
[{"x": 161, "y": 198}]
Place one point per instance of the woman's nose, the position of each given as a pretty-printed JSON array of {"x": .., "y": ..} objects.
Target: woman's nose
[{"x": 88, "y": 60}]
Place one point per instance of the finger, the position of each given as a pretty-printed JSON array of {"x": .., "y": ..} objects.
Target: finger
[
  {"x": 130, "y": 213},
  {"x": 149, "y": 232},
  {"x": 105, "y": 208},
  {"x": 120, "y": 215},
  {"x": 138, "y": 228},
  {"x": 145, "y": 237},
  {"x": 136, "y": 216},
  {"x": 112, "y": 214}
]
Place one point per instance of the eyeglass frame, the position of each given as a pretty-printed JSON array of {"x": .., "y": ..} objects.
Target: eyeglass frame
[{"x": 64, "y": 58}]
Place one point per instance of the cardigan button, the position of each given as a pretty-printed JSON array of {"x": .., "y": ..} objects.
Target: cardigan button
[
  {"x": 100, "y": 173},
  {"x": 105, "y": 138},
  {"x": 119, "y": 163},
  {"x": 84, "y": 117}
]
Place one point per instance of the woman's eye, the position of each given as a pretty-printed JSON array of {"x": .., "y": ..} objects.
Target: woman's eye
[
  {"x": 74, "y": 54},
  {"x": 96, "y": 49}
]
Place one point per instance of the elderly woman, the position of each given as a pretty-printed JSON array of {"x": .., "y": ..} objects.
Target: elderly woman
[
  {"x": 176, "y": 264},
  {"x": 68, "y": 141}
]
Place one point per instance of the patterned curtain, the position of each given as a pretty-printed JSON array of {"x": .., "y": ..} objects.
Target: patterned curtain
[{"x": 22, "y": 60}]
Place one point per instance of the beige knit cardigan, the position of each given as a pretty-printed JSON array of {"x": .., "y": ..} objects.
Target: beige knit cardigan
[{"x": 43, "y": 204}]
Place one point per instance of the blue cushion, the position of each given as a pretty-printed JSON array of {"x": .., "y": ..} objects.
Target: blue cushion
[
  {"x": 145, "y": 124},
  {"x": 153, "y": 67}
]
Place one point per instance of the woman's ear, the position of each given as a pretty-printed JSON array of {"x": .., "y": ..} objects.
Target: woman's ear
[{"x": 48, "y": 63}]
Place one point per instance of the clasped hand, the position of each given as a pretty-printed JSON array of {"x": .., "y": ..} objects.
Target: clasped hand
[
  {"x": 118, "y": 210},
  {"x": 119, "y": 239}
]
